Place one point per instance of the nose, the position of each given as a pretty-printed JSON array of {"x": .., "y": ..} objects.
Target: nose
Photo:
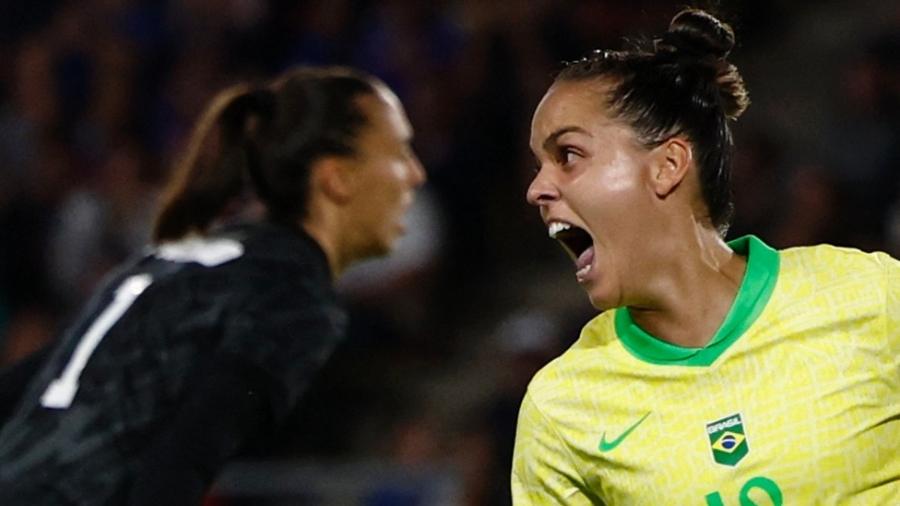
[
  {"x": 417, "y": 174},
  {"x": 541, "y": 191}
]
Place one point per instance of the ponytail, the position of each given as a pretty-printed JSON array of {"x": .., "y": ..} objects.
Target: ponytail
[
  {"x": 265, "y": 139},
  {"x": 221, "y": 155}
]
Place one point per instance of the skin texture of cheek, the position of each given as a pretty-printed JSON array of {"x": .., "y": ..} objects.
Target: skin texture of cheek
[
  {"x": 615, "y": 209},
  {"x": 392, "y": 206},
  {"x": 619, "y": 175},
  {"x": 610, "y": 199}
]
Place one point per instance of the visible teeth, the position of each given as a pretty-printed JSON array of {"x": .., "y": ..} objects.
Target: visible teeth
[
  {"x": 557, "y": 227},
  {"x": 583, "y": 272}
]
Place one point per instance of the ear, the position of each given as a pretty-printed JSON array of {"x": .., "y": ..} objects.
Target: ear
[
  {"x": 670, "y": 163},
  {"x": 331, "y": 176}
]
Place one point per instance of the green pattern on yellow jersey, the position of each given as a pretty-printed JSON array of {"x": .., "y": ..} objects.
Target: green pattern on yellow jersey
[{"x": 796, "y": 400}]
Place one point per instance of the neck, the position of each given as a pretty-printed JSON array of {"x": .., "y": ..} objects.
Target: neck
[
  {"x": 692, "y": 288},
  {"x": 329, "y": 245}
]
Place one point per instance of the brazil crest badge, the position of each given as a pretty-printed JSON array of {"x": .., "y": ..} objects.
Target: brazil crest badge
[{"x": 728, "y": 440}]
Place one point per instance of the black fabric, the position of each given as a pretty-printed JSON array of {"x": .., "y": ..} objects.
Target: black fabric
[
  {"x": 15, "y": 378},
  {"x": 156, "y": 380},
  {"x": 219, "y": 417}
]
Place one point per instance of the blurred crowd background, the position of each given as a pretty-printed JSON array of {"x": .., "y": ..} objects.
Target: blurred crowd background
[{"x": 419, "y": 405}]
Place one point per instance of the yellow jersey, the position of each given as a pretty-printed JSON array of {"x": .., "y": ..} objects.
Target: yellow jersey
[{"x": 795, "y": 400}]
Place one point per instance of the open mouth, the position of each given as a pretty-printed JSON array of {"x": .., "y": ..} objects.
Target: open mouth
[{"x": 576, "y": 242}]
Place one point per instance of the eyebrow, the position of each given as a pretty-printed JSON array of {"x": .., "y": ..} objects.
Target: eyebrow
[{"x": 551, "y": 139}]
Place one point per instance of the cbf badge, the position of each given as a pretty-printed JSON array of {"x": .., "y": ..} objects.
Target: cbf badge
[{"x": 727, "y": 440}]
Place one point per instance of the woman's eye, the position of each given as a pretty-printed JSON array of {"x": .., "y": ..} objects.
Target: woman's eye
[{"x": 567, "y": 156}]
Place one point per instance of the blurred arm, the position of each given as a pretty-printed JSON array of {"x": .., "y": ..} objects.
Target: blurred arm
[{"x": 220, "y": 415}]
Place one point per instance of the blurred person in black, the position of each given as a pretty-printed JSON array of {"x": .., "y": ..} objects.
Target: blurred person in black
[{"x": 199, "y": 349}]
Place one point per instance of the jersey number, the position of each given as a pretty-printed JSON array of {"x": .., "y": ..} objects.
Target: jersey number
[
  {"x": 761, "y": 482},
  {"x": 62, "y": 390}
]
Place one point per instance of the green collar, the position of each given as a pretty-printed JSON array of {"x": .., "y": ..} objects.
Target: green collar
[{"x": 756, "y": 288}]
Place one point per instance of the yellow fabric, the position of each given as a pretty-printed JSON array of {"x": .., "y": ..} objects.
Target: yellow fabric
[{"x": 815, "y": 379}]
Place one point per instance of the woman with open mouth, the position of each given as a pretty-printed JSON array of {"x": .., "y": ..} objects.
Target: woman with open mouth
[{"x": 719, "y": 372}]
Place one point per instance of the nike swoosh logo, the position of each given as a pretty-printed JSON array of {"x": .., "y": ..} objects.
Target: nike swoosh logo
[{"x": 606, "y": 446}]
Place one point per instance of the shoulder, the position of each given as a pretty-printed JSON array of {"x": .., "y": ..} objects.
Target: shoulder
[
  {"x": 273, "y": 259},
  {"x": 827, "y": 265},
  {"x": 556, "y": 380},
  {"x": 246, "y": 271},
  {"x": 269, "y": 243},
  {"x": 837, "y": 257},
  {"x": 837, "y": 282},
  {"x": 890, "y": 264}
]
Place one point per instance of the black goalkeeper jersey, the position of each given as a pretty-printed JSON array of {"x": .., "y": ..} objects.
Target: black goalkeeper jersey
[{"x": 256, "y": 300}]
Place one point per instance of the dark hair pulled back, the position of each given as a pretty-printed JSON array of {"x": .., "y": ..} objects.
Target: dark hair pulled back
[
  {"x": 266, "y": 139},
  {"x": 678, "y": 84}
]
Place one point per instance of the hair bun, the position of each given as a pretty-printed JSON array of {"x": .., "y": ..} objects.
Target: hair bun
[
  {"x": 699, "y": 33},
  {"x": 699, "y": 37}
]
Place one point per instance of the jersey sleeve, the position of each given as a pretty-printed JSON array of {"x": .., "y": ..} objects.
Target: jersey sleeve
[
  {"x": 285, "y": 330},
  {"x": 543, "y": 472}
]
